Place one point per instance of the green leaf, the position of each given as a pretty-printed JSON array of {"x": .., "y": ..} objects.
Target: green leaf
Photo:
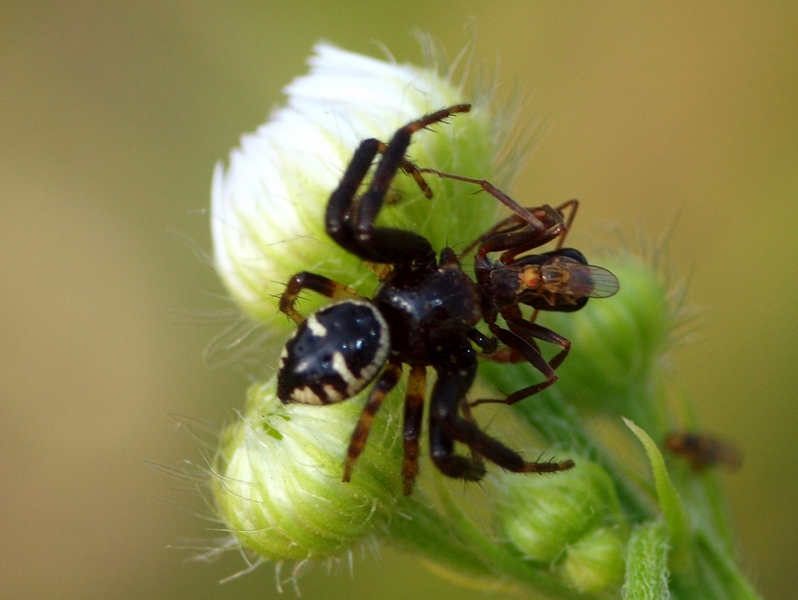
[{"x": 669, "y": 501}]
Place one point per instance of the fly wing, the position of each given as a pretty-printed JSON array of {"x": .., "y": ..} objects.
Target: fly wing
[{"x": 589, "y": 281}]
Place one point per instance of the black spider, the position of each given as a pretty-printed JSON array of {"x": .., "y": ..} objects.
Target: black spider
[{"x": 425, "y": 315}]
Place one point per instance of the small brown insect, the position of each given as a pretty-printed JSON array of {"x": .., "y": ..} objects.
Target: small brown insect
[{"x": 703, "y": 451}]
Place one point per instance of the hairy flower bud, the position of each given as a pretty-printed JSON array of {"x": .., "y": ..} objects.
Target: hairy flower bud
[
  {"x": 278, "y": 476},
  {"x": 570, "y": 523},
  {"x": 595, "y": 562}
]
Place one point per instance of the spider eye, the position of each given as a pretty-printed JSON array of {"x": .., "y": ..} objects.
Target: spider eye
[{"x": 333, "y": 354}]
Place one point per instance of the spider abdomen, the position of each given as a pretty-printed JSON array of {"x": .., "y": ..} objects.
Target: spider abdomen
[{"x": 333, "y": 354}]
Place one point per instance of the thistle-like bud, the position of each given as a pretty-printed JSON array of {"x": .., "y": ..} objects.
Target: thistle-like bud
[
  {"x": 278, "y": 476},
  {"x": 595, "y": 562},
  {"x": 567, "y": 521}
]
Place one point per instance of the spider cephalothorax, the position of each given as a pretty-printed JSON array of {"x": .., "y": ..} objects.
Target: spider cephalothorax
[{"x": 425, "y": 314}]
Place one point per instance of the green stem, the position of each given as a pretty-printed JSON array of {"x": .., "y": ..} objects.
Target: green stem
[
  {"x": 422, "y": 531},
  {"x": 501, "y": 560},
  {"x": 734, "y": 584}
]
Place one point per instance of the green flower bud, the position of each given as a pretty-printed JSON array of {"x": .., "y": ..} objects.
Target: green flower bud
[
  {"x": 278, "y": 476},
  {"x": 595, "y": 562},
  {"x": 542, "y": 516}
]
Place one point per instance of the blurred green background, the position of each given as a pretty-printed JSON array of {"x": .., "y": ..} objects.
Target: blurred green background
[{"x": 112, "y": 116}]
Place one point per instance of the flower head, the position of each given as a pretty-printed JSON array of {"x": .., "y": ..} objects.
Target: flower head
[{"x": 267, "y": 211}]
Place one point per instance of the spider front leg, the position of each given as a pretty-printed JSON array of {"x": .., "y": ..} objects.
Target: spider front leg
[
  {"x": 351, "y": 223},
  {"x": 317, "y": 283}
]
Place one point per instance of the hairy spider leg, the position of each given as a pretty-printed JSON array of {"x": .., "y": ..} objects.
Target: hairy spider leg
[
  {"x": 409, "y": 168},
  {"x": 317, "y": 283},
  {"x": 465, "y": 408},
  {"x": 455, "y": 376},
  {"x": 386, "y": 382},
  {"x": 411, "y": 432},
  {"x": 351, "y": 223}
]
